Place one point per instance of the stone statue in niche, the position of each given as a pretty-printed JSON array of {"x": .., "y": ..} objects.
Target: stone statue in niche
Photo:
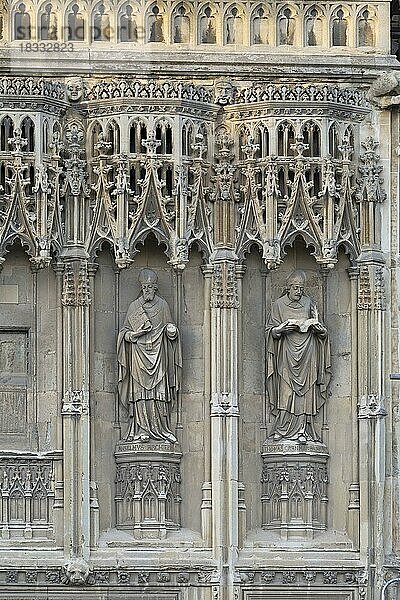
[
  {"x": 156, "y": 26},
  {"x": 339, "y": 29},
  {"x": 101, "y": 25},
  {"x": 127, "y": 26},
  {"x": 208, "y": 33},
  {"x": 150, "y": 363},
  {"x": 298, "y": 363}
]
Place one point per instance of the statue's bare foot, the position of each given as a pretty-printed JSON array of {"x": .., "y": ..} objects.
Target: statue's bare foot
[
  {"x": 277, "y": 436},
  {"x": 143, "y": 437},
  {"x": 302, "y": 439},
  {"x": 171, "y": 438}
]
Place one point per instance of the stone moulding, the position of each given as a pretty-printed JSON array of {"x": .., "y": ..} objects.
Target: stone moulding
[
  {"x": 132, "y": 88},
  {"x": 294, "y": 489},
  {"x": 27, "y": 494},
  {"x": 148, "y": 481}
]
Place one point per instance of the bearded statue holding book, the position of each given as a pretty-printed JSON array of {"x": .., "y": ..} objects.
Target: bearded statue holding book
[
  {"x": 150, "y": 362},
  {"x": 298, "y": 363}
]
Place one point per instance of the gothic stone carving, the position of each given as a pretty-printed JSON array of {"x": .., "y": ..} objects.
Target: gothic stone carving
[
  {"x": 27, "y": 495},
  {"x": 298, "y": 363},
  {"x": 148, "y": 499},
  {"x": 148, "y": 472},
  {"x": 77, "y": 572},
  {"x": 294, "y": 488},
  {"x": 150, "y": 363}
]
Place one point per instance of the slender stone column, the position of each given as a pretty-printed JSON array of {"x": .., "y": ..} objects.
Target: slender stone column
[
  {"x": 354, "y": 489},
  {"x": 75, "y": 409},
  {"x": 371, "y": 413},
  {"x": 224, "y": 416},
  {"x": 206, "y": 504}
]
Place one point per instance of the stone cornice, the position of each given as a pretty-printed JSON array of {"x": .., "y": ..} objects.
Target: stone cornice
[{"x": 330, "y": 65}]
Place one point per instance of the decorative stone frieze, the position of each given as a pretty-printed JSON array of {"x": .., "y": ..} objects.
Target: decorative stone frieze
[
  {"x": 294, "y": 489},
  {"x": 312, "y": 578},
  {"x": 75, "y": 402},
  {"x": 224, "y": 286},
  {"x": 148, "y": 497},
  {"x": 371, "y": 406},
  {"x": 27, "y": 493},
  {"x": 32, "y": 86}
]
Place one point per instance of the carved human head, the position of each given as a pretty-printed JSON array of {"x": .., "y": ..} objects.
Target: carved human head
[
  {"x": 148, "y": 280},
  {"x": 224, "y": 92},
  {"x": 295, "y": 285},
  {"x": 76, "y": 572},
  {"x": 74, "y": 89}
]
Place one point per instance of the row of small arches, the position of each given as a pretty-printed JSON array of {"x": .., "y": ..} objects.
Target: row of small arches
[
  {"x": 287, "y": 135},
  {"x": 190, "y": 133},
  {"x": 285, "y": 27}
]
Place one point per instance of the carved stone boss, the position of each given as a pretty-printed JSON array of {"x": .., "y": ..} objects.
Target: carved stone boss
[{"x": 148, "y": 457}]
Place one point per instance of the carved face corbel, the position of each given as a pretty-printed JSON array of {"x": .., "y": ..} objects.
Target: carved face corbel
[
  {"x": 74, "y": 89},
  {"x": 224, "y": 92},
  {"x": 76, "y": 572}
]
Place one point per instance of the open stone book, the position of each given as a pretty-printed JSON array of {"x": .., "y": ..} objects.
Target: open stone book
[{"x": 303, "y": 326}]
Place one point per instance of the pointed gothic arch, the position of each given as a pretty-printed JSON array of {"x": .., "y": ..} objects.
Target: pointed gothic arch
[
  {"x": 6, "y": 133},
  {"x": 181, "y": 24},
  {"x": 260, "y": 25}
]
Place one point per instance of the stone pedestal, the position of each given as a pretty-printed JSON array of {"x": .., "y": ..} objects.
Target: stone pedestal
[
  {"x": 294, "y": 488},
  {"x": 148, "y": 500}
]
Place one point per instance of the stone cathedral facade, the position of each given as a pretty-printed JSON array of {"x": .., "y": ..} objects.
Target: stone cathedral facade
[{"x": 199, "y": 241}]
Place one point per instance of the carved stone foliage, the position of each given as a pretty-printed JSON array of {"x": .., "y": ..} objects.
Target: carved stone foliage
[
  {"x": 307, "y": 578},
  {"x": 30, "y": 207},
  {"x": 27, "y": 496},
  {"x": 75, "y": 402},
  {"x": 78, "y": 573},
  {"x": 224, "y": 293},
  {"x": 294, "y": 489},
  {"x": 256, "y": 195},
  {"x": 371, "y": 182},
  {"x": 299, "y": 93},
  {"x": 371, "y": 406},
  {"x": 371, "y": 288},
  {"x": 148, "y": 496},
  {"x": 76, "y": 287},
  {"x": 152, "y": 90},
  {"x": 32, "y": 86},
  {"x": 282, "y": 199}
]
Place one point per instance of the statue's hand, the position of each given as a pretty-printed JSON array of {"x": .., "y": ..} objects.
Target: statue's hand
[
  {"x": 285, "y": 327},
  {"x": 171, "y": 330},
  {"x": 147, "y": 326},
  {"x": 130, "y": 337},
  {"x": 319, "y": 329}
]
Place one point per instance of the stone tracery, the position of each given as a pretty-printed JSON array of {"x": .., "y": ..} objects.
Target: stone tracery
[
  {"x": 259, "y": 24},
  {"x": 223, "y": 166}
]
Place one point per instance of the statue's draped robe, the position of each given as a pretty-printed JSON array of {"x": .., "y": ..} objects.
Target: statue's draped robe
[
  {"x": 149, "y": 371},
  {"x": 298, "y": 371}
]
